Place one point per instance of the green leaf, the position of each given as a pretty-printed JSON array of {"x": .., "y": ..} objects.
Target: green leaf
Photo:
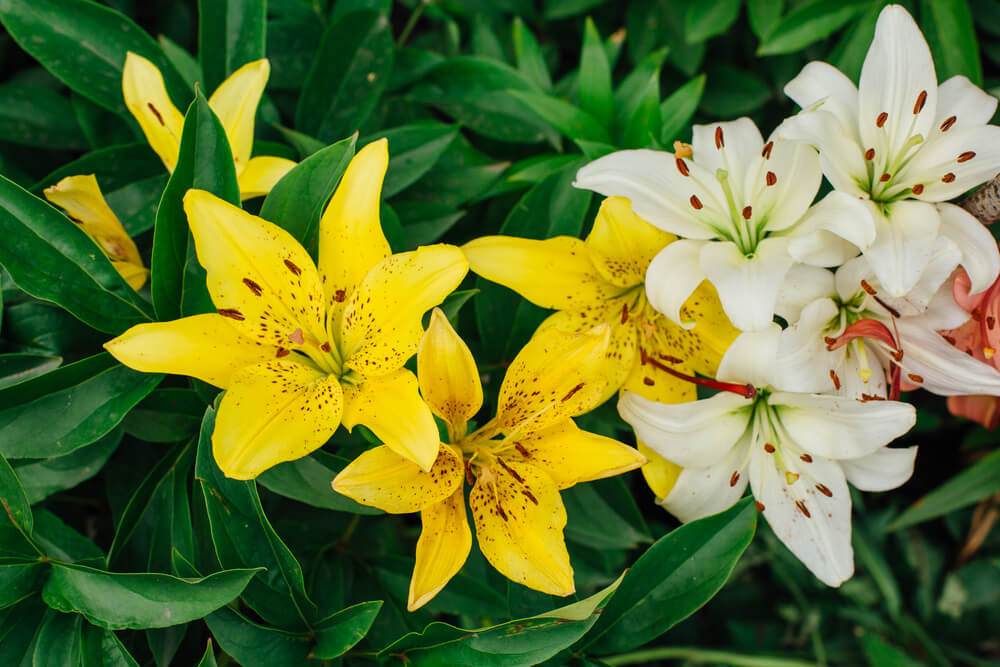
[
  {"x": 231, "y": 33},
  {"x": 594, "y": 523},
  {"x": 60, "y": 542},
  {"x": 20, "y": 578},
  {"x": 72, "y": 406},
  {"x": 969, "y": 486},
  {"x": 255, "y": 645},
  {"x": 136, "y": 601},
  {"x": 38, "y": 117},
  {"x": 59, "y": 640},
  {"x": 630, "y": 92},
  {"x": 337, "y": 633},
  {"x": 644, "y": 126},
  {"x": 595, "y": 77},
  {"x": 678, "y": 109},
  {"x": 15, "y": 368},
  {"x": 526, "y": 641},
  {"x": 101, "y": 648},
  {"x": 880, "y": 653},
  {"x": 528, "y": 53},
  {"x": 43, "y": 478},
  {"x": 810, "y": 23},
  {"x": 557, "y": 9},
  {"x": 731, "y": 92},
  {"x": 764, "y": 16},
  {"x": 572, "y": 122},
  {"x": 166, "y": 415},
  {"x": 52, "y": 259},
  {"x": 18, "y": 633},
  {"x": 426, "y": 222},
  {"x": 413, "y": 150},
  {"x": 205, "y": 162},
  {"x": 849, "y": 54},
  {"x": 307, "y": 480},
  {"x": 114, "y": 166},
  {"x": 185, "y": 64},
  {"x": 13, "y": 499},
  {"x": 708, "y": 18},
  {"x": 208, "y": 660},
  {"x": 84, "y": 44},
  {"x": 947, "y": 25},
  {"x": 351, "y": 70},
  {"x": 674, "y": 578}
]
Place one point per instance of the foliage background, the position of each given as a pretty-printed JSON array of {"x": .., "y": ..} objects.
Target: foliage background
[{"x": 489, "y": 114}]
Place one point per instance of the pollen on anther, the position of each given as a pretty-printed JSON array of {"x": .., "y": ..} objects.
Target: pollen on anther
[
  {"x": 806, "y": 458},
  {"x": 868, "y": 288},
  {"x": 835, "y": 378},
  {"x": 917, "y": 189},
  {"x": 681, "y": 166},
  {"x": 870, "y": 154},
  {"x": 696, "y": 203},
  {"x": 801, "y": 504},
  {"x": 720, "y": 140},
  {"x": 990, "y": 321},
  {"x": 884, "y": 177},
  {"x": 735, "y": 478},
  {"x": 913, "y": 377},
  {"x": 769, "y": 448},
  {"x": 770, "y": 178},
  {"x": 921, "y": 101},
  {"x": 948, "y": 178},
  {"x": 766, "y": 152},
  {"x": 791, "y": 477},
  {"x": 966, "y": 156},
  {"x": 282, "y": 352},
  {"x": 759, "y": 505},
  {"x": 989, "y": 352},
  {"x": 325, "y": 347},
  {"x": 948, "y": 122},
  {"x": 825, "y": 490},
  {"x": 747, "y": 212},
  {"x": 882, "y": 117}
]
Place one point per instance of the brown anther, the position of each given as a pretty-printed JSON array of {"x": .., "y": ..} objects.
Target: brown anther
[
  {"x": 917, "y": 189},
  {"x": 913, "y": 377},
  {"x": 868, "y": 288},
  {"x": 747, "y": 212},
  {"x": 882, "y": 117},
  {"x": 468, "y": 474},
  {"x": 766, "y": 152},
  {"x": 951, "y": 340},
  {"x": 735, "y": 478},
  {"x": 770, "y": 178},
  {"x": 231, "y": 313},
  {"x": 720, "y": 140},
  {"x": 829, "y": 340},
  {"x": 806, "y": 458},
  {"x": 522, "y": 450},
  {"x": 801, "y": 504},
  {"x": 624, "y": 313},
  {"x": 572, "y": 391},
  {"x": 948, "y": 178},
  {"x": 530, "y": 496},
  {"x": 991, "y": 322},
  {"x": 835, "y": 378},
  {"x": 254, "y": 287},
  {"x": 791, "y": 477},
  {"x": 156, "y": 113},
  {"x": 339, "y": 296},
  {"x": 292, "y": 267},
  {"x": 282, "y": 352},
  {"x": 297, "y": 337},
  {"x": 325, "y": 347},
  {"x": 921, "y": 101},
  {"x": 884, "y": 178},
  {"x": 696, "y": 203},
  {"x": 825, "y": 490},
  {"x": 769, "y": 448},
  {"x": 949, "y": 121},
  {"x": 870, "y": 154},
  {"x": 759, "y": 505},
  {"x": 976, "y": 314},
  {"x": 648, "y": 381},
  {"x": 681, "y": 166},
  {"x": 966, "y": 156},
  {"x": 897, "y": 355}
]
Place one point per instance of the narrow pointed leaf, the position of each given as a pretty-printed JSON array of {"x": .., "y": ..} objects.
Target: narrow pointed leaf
[
  {"x": 336, "y": 634},
  {"x": 231, "y": 33},
  {"x": 13, "y": 499},
  {"x": 969, "y": 486}
]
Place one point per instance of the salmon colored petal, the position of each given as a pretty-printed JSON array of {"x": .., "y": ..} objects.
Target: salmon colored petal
[
  {"x": 519, "y": 520},
  {"x": 382, "y": 478},
  {"x": 235, "y": 103},
  {"x": 206, "y": 347},
  {"x": 261, "y": 174},
  {"x": 391, "y": 407},
  {"x": 277, "y": 411},
  {"x": 443, "y": 547},
  {"x": 659, "y": 473},
  {"x": 555, "y": 273},
  {"x": 449, "y": 379},
  {"x": 984, "y": 410},
  {"x": 622, "y": 244},
  {"x": 146, "y": 98}
]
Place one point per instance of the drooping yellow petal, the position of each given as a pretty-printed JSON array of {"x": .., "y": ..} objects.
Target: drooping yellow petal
[
  {"x": 569, "y": 455},
  {"x": 449, "y": 379},
  {"x": 381, "y": 325},
  {"x": 659, "y": 473},
  {"x": 443, "y": 547},
  {"x": 701, "y": 347},
  {"x": 351, "y": 241},
  {"x": 135, "y": 275},
  {"x": 275, "y": 411},
  {"x": 390, "y": 405},
  {"x": 235, "y": 103},
  {"x": 556, "y": 375},
  {"x": 261, "y": 174},
  {"x": 206, "y": 347},
  {"x": 622, "y": 244},
  {"x": 657, "y": 385},
  {"x": 555, "y": 273},
  {"x": 382, "y": 478},
  {"x": 519, "y": 520},
  {"x": 146, "y": 98},
  {"x": 258, "y": 275}
]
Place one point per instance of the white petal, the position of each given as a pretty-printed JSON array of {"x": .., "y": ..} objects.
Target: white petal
[
  {"x": 964, "y": 100},
  {"x": 803, "y": 284},
  {"x": 897, "y": 72},
  {"x": 952, "y": 162},
  {"x": 841, "y": 428},
  {"x": 943, "y": 262},
  {"x": 841, "y": 157},
  {"x": 943, "y": 369},
  {"x": 751, "y": 358},
  {"x": 803, "y": 362},
  {"x": 980, "y": 258},
  {"x": 793, "y": 171},
  {"x": 860, "y": 377},
  {"x": 695, "y": 434},
  {"x": 943, "y": 312},
  {"x": 822, "y": 540},
  {"x": 823, "y": 86},
  {"x": 701, "y": 492},
  {"x": 904, "y": 244},
  {"x": 658, "y": 191},
  {"x": 833, "y": 231},
  {"x": 739, "y": 143},
  {"x": 850, "y": 275},
  {"x": 672, "y": 276},
  {"x": 882, "y": 470},
  {"x": 748, "y": 287}
]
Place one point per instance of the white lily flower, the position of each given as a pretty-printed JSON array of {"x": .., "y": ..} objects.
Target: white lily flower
[
  {"x": 901, "y": 143},
  {"x": 797, "y": 450},
  {"x": 743, "y": 208}
]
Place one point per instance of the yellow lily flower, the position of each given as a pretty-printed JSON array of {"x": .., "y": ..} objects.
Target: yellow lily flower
[
  {"x": 301, "y": 349},
  {"x": 80, "y": 197},
  {"x": 602, "y": 281},
  {"x": 234, "y": 102},
  {"x": 516, "y": 463}
]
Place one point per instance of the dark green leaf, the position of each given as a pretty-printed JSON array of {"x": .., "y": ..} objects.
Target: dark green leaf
[
  {"x": 13, "y": 499},
  {"x": 115, "y": 167},
  {"x": 100, "y": 648},
  {"x": 166, "y": 415},
  {"x": 970, "y": 485},
  {"x": 557, "y": 9},
  {"x": 291, "y": 49},
  {"x": 205, "y": 162},
  {"x": 341, "y": 631},
  {"x": 880, "y": 653},
  {"x": 230, "y": 35},
  {"x": 350, "y": 72},
  {"x": 572, "y": 122},
  {"x": 849, "y": 53},
  {"x": 38, "y": 117},
  {"x": 594, "y": 523},
  {"x": 413, "y": 150},
  {"x": 59, "y": 640},
  {"x": 630, "y": 92},
  {"x": 43, "y": 478},
  {"x": 678, "y": 109},
  {"x": 60, "y": 542},
  {"x": 530, "y": 60},
  {"x": 595, "y": 77},
  {"x": 708, "y": 18},
  {"x": 674, "y": 578},
  {"x": 185, "y": 64},
  {"x": 731, "y": 92},
  {"x": 426, "y": 222},
  {"x": 15, "y": 368},
  {"x": 147, "y": 600},
  {"x": 764, "y": 16},
  {"x": 947, "y": 25},
  {"x": 307, "y": 480},
  {"x": 84, "y": 44},
  {"x": 19, "y": 578},
  {"x": 18, "y": 633},
  {"x": 809, "y": 23},
  {"x": 255, "y": 645},
  {"x": 645, "y": 124},
  {"x": 208, "y": 660},
  {"x": 51, "y": 258}
]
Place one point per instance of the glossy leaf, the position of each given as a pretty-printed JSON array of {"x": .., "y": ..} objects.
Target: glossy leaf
[
  {"x": 678, "y": 109},
  {"x": 809, "y": 23},
  {"x": 969, "y": 486},
  {"x": 13, "y": 499},
  {"x": 528, "y": 53},
  {"x": 595, "y": 77},
  {"x": 572, "y": 122},
  {"x": 337, "y": 633},
  {"x": 166, "y": 415},
  {"x": 231, "y": 33},
  {"x": 59, "y": 640},
  {"x": 255, "y": 645},
  {"x": 413, "y": 150},
  {"x": 307, "y": 480},
  {"x": 43, "y": 478},
  {"x": 948, "y": 27},
  {"x": 38, "y": 117},
  {"x": 709, "y": 18},
  {"x": 15, "y": 368},
  {"x": 20, "y": 578}
]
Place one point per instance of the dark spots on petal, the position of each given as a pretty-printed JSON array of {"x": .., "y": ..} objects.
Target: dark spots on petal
[
  {"x": 325, "y": 347},
  {"x": 571, "y": 392},
  {"x": 282, "y": 352},
  {"x": 339, "y": 296},
  {"x": 522, "y": 450},
  {"x": 231, "y": 313},
  {"x": 291, "y": 266},
  {"x": 648, "y": 381},
  {"x": 530, "y": 496},
  {"x": 254, "y": 287},
  {"x": 156, "y": 112}
]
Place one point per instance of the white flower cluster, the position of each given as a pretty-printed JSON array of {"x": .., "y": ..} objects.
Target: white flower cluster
[{"x": 862, "y": 280}]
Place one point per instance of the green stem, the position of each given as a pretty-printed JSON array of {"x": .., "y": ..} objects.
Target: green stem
[
  {"x": 411, "y": 23},
  {"x": 702, "y": 655}
]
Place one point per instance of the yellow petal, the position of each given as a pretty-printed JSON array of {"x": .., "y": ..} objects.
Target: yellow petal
[
  {"x": 261, "y": 174},
  {"x": 206, "y": 347},
  {"x": 391, "y": 407},
  {"x": 519, "y": 520},
  {"x": 351, "y": 241},
  {"x": 660, "y": 474},
  {"x": 81, "y": 198},
  {"x": 381, "y": 326},
  {"x": 622, "y": 244},
  {"x": 134, "y": 274},
  {"x": 556, "y": 375},
  {"x": 449, "y": 379},
  {"x": 275, "y": 411},
  {"x": 569, "y": 455},
  {"x": 650, "y": 382},
  {"x": 555, "y": 273},
  {"x": 257, "y": 273},
  {"x": 443, "y": 547},
  {"x": 701, "y": 347},
  {"x": 382, "y": 478},
  {"x": 146, "y": 98},
  {"x": 235, "y": 103}
]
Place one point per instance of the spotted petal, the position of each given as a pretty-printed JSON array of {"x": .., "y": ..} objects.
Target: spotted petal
[
  {"x": 443, "y": 547},
  {"x": 622, "y": 244},
  {"x": 447, "y": 373},
  {"x": 146, "y": 98},
  {"x": 382, "y": 478}
]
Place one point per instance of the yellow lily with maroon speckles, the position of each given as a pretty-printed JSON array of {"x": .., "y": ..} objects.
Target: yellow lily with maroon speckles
[
  {"x": 602, "y": 281},
  {"x": 234, "y": 102},
  {"x": 81, "y": 198},
  {"x": 298, "y": 349},
  {"x": 516, "y": 462}
]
